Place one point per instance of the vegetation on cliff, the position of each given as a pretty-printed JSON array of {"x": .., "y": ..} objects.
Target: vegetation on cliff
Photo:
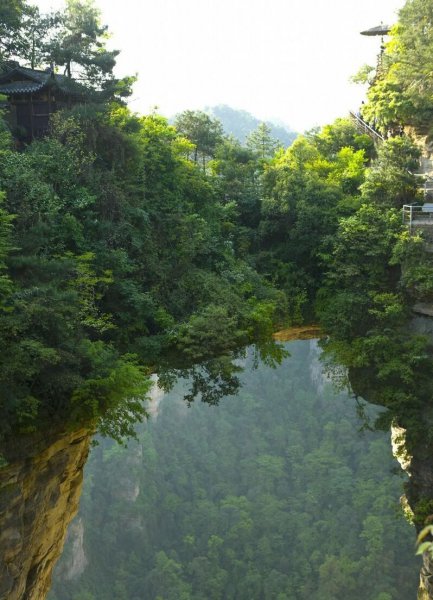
[
  {"x": 129, "y": 245},
  {"x": 376, "y": 269},
  {"x": 126, "y": 243},
  {"x": 401, "y": 87},
  {"x": 116, "y": 251}
]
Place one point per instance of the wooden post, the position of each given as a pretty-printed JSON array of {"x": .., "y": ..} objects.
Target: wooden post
[{"x": 31, "y": 116}]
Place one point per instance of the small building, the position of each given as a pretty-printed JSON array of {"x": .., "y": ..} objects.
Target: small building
[{"x": 32, "y": 95}]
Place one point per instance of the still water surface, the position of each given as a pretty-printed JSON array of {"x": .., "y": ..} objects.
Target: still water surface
[{"x": 275, "y": 493}]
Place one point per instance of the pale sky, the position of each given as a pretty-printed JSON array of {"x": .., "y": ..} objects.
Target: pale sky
[{"x": 278, "y": 59}]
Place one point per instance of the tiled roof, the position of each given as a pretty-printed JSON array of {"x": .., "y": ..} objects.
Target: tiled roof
[
  {"x": 34, "y": 80},
  {"x": 42, "y": 76},
  {"x": 35, "y": 74},
  {"x": 379, "y": 30},
  {"x": 20, "y": 87}
]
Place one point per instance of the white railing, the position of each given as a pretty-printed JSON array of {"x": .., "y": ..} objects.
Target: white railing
[
  {"x": 416, "y": 214},
  {"x": 366, "y": 128},
  {"x": 426, "y": 183}
]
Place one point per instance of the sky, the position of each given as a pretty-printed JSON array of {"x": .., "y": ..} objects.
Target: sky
[{"x": 286, "y": 60}]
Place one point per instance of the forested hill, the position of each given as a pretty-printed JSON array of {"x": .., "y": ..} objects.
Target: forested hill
[{"x": 241, "y": 124}]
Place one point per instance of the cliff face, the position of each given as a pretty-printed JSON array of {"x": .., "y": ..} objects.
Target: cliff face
[
  {"x": 39, "y": 493},
  {"x": 417, "y": 461},
  {"x": 419, "y": 496},
  {"x": 418, "y": 464},
  {"x": 76, "y": 562}
]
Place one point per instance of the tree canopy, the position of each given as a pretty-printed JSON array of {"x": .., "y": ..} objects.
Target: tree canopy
[
  {"x": 73, "y": 40},
  {"x": 401, "y": 91},
  {"x": 202, "y": 130}
]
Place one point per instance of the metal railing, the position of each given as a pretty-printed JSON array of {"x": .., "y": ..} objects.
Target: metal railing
[
  {"x": 416, "y": 214},
  {"x": 426, "y": 183},
  {"x": 364, "y": 127},
  {"x": 421, "y": 214}
]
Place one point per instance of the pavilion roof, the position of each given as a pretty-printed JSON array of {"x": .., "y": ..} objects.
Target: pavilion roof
[
  {"x": 378, "y": 30},
  {"x": 22, "y": 80}
]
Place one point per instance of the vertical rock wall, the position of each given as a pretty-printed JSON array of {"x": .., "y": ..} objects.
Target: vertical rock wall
[
  {"x": 77, "y": 561},
  {"x": 419, "y": 467},
  {"x": 39, "y": 493}
]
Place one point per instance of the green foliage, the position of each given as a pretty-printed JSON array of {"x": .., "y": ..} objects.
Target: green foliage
[
  {"x": 5, "y": 232},
  {"x": 376, "y": 270},
  {"x": 110, "y": 380},
  {"x": 373, "y": 270},
  {"x": 402, "y": 91},
  {"x": 306, "y": 190},
  {"x": 364, "y": 75},
  {"x": 5, "y": 135},
  {"x": 127, "y": 243},
  {"x": 341, "y": 134},
  {"x": 90, "y": 289},
  {"x": 72, "y": 38},
  {"x": 11, "y": 15},
  {"x": 261, "y": 142},
  {"x": 362, "y": 251},
  {"x": 425, "y": 546},
  {"x": 202, "y": 130},
  {"x": 209, "y": 332},
  {"x": 417, "y": 270},
  {"x": 79, "y": 41},
  {"x": 119, "y": 245},
  {"x": 423, "y": 512},
  {"x": 390, "y": 181}
]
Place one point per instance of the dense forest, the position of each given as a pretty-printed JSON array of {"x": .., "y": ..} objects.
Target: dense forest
[
  {"x": 275, "y": 494},
  {"x": 124, "y": 242},
  {"x": 131, "y": 246},
  {"x": 128, "y": 243}
]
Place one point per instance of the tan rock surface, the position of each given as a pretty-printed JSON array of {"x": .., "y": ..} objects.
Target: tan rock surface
[{"x": 39, "y": 493}]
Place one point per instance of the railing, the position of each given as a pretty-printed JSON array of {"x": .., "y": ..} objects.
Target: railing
[
  {"x": 426, "y": 184},
  {"x": 366, "y": 128},
  {"x": 415, "y": 214},
  {"x": 421, "y": 214}
]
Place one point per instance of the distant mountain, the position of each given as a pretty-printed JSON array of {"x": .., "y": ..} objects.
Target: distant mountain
[{"x": 241, "y": 123}]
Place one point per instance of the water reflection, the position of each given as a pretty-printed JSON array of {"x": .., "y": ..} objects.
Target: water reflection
[
  {"x": 41, "y": 473},
  {"x": 218, "y": 377},
  {"x": 274, "y": 495},
  {"x": 394, "y": 370}
]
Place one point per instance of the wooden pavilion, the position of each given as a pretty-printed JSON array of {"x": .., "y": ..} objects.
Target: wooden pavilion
[{"x": 32, "y": 95}]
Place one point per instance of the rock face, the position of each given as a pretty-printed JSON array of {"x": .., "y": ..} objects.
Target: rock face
[
  {"x": 76, "y": 563},
  {"x": 417, "y": 461},
  {"x": 39, "y": 493},
  {"x": 419, "y": 491}
]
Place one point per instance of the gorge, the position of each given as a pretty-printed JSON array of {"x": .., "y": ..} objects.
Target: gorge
[{"x": 132, "y": 248}]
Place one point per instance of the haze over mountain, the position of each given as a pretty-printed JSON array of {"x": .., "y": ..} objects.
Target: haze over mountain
[{"x": 240, "y": 123}]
